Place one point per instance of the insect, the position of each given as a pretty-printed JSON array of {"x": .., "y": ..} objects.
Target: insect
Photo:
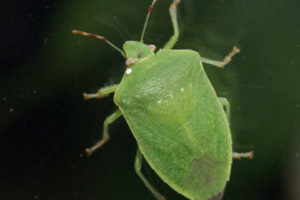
[{"x": 179, "y": 123}]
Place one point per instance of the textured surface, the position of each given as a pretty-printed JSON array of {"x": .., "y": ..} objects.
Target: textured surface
[{"x": 178, "y": 123}]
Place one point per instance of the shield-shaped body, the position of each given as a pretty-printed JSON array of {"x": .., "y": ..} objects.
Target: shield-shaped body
[{"x": 178, "y": 122}]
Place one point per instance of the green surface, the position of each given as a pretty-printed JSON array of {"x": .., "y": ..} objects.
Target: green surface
[
  {"x": 46, "y": 125},
  {"x": 178, "y": 122}
]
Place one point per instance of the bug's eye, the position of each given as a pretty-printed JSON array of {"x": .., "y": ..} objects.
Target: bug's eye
[
  {"x": 152, "y": 47},
  {"x": 129, "y": 62}
]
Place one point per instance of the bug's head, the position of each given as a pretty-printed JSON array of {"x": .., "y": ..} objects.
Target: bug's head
[{"x": 136, "y": 51}]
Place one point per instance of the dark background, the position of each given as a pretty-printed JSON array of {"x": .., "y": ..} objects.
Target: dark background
[{"x": 45, "y": 124}]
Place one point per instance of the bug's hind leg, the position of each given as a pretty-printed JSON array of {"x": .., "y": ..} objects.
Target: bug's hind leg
[
  {"x": 105, "y": 137},
  {"x": 237, "y": 155},
  {"x": 138, "y": 169},
  {"x": 102, "y": 92},
  {"x": 173, "y": 12},
  {"x": 221, "y": 64},
  {"x": 226, "y": 104}
]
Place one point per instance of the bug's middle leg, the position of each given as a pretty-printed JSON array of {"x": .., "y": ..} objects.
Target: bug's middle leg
[
  {"x": 102, "y": 92},
  {"x": 221, "y": 64},
  {"x": 173, "y": 12},
  {"x": 138, "y": 170},
  {"x": 105, "y": 137}
]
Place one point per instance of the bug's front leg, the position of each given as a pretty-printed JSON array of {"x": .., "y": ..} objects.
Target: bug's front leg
[
  {"x": 221, "y": 64},
  {"x": 105, "y": 137},
  {"x": 102, "y": 92},
  {"x": 138, "y": 169},
  {"x": 173, "y": 12}
]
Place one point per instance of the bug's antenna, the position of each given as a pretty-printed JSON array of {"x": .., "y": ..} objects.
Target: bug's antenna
[
  {"x": 147, "y": 19},
  {"x": 100, "y": 38}
]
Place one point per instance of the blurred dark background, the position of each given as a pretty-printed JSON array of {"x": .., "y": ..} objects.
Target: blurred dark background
[{"x": 45, "y": 124}]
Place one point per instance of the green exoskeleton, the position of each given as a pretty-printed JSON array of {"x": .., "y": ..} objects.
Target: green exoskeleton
[{"x": 178, "y": 121}]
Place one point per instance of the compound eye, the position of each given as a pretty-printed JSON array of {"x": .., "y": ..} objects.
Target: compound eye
[
  {"x": 129, "y": 62},
  {"x": 152, "y": 47}
]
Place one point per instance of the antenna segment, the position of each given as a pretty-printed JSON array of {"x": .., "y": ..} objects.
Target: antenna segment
[
  {"x": 147, "y": 19},
  {"x": 92, "y": 35}
]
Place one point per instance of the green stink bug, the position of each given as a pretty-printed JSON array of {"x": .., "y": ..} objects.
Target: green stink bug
[{"x": 174, "y": 114}]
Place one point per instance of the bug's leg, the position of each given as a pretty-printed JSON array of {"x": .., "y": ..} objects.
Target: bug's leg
[
  {"x": 105, "y": 137},
  {"x": 138, "y": 168},
  {"x": 226, "y": 60},
  {"x": 237, "y": 155},
  {"x": 226, "y": 104},
  {"x": 173, "y": 12},
  {"x": 102, "y": 92}
]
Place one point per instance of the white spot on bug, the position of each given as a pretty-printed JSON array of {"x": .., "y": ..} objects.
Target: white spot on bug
[
  {"x": 182, "y": 89},
  {"x": 159, "y": 102},
  {"x": 128, "y": 71}
]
